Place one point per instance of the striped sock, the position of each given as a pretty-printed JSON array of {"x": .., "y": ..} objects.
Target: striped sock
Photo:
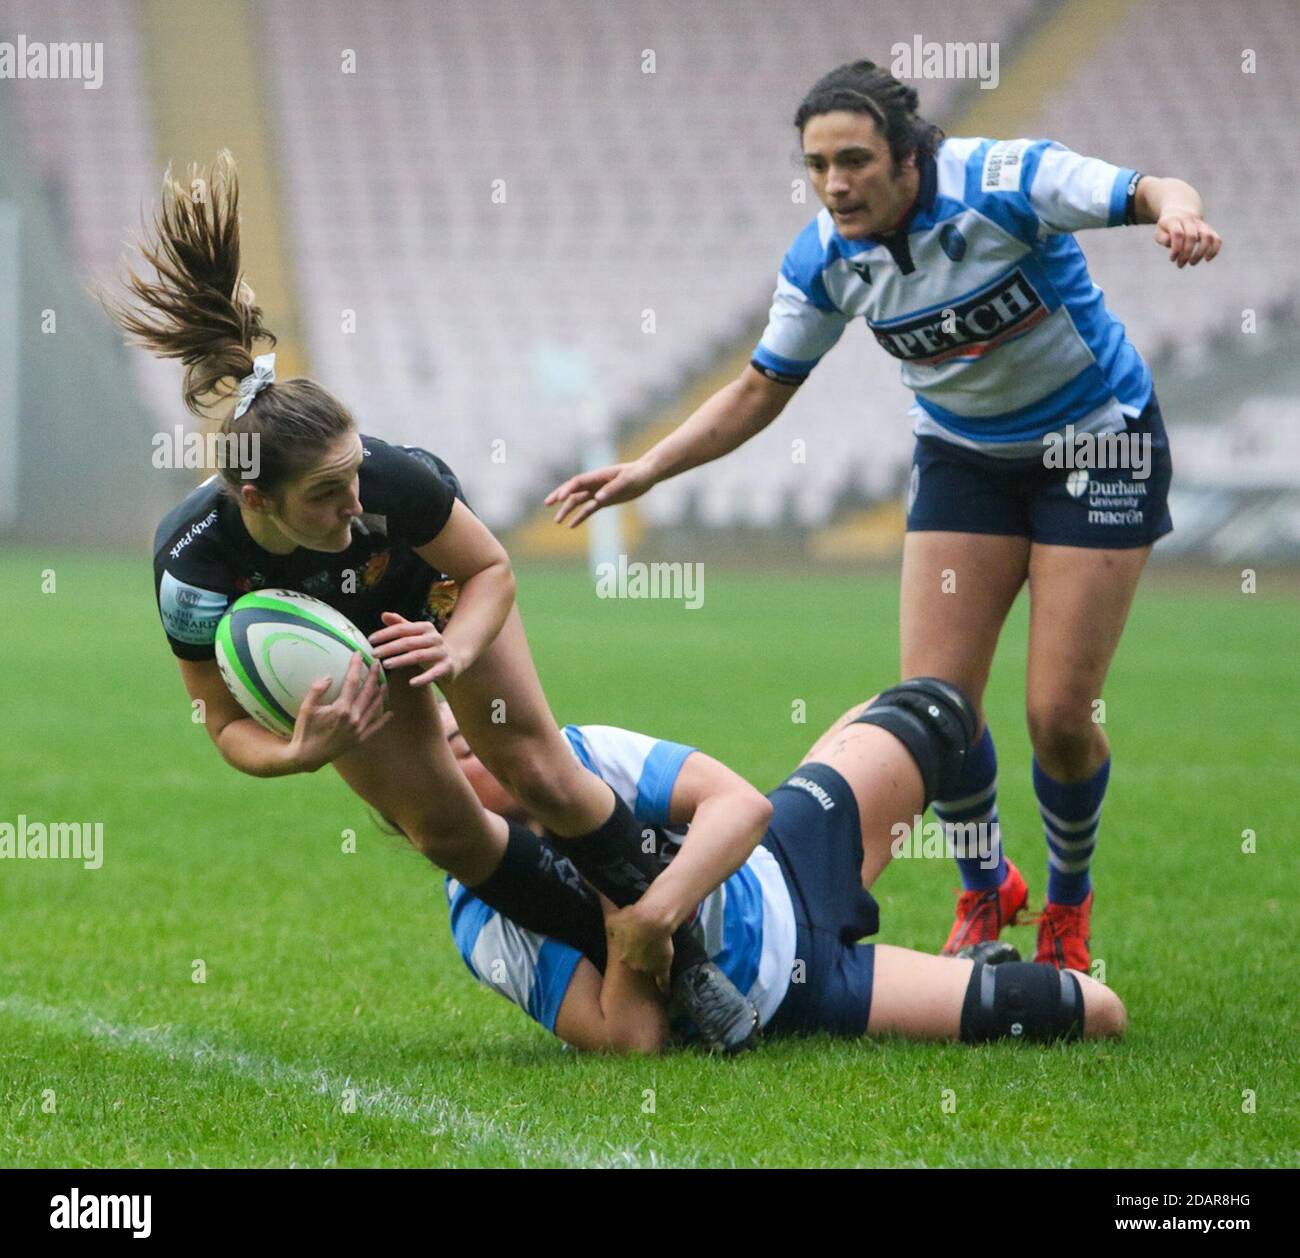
[
  {"x": 975, "y": 801},
  {"x": 1071, "y": 813}
]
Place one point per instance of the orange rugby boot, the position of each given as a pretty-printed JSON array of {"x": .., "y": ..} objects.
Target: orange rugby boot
[
  {"x": 981, "y": 915},
  {"x": 1063, "y": 935}
]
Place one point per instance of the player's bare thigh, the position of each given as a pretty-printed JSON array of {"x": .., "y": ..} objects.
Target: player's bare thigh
[
  {"x": 502, "y": 711},
  {"x": 956, "y": 591},
  {"x": 883, "y": 777},
  {"x": 407, "y": 773}
]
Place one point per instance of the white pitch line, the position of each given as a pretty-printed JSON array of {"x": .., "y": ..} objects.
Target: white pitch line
[{"x": 434, "y": 1114}]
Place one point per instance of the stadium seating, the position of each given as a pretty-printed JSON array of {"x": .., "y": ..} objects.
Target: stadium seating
[
  {"x": 625, "y": 192},
  {"x": 93, "y": 149},
  {"x": 508, "y": 235},
  {"x": 1182, "y": 105}
]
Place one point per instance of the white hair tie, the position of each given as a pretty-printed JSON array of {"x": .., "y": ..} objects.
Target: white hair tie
[{"x": 251, "y": 386}]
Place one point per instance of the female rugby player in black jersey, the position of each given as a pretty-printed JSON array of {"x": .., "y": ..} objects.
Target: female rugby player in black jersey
[{"x": 382, "y": 534}]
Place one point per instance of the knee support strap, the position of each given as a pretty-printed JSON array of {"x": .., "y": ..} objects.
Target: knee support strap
[
  {"x": 935, "y": 722},
  {"x": 1021, "y": 1000}
]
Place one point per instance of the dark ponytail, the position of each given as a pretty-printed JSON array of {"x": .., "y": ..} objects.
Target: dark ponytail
[
  {"x": 862, "y": 87},
  {"x": 201, "y": 310}
]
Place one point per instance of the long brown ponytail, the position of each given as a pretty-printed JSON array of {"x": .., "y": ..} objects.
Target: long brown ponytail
[{"x": 201, "y": 309}]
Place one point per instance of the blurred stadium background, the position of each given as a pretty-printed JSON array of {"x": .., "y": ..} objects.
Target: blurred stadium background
[{"x": 525, "y": 234}]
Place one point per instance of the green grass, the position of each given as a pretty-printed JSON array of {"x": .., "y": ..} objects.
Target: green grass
[{"x": 337, "y": 1026}]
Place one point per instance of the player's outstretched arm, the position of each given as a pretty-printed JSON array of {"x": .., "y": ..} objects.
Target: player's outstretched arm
[
  {"x": 1175, "y": 208},
  {"x": 728, "y": 419}
]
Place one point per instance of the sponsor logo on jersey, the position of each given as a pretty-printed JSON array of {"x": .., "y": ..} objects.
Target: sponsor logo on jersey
[
  {"x": 321, "y": 583},
  {"x": 952, "y": 242},
  {"x": 441, "y": 601},
  {"x": 1008, "y": 307},
  {"x": 861, "y": 269},
  {"x": 193, "y": 532},
  {"x": 190, "y": 613},
  {"x": 1002, "y": 166},
  {"x": 373, "y": 573}
]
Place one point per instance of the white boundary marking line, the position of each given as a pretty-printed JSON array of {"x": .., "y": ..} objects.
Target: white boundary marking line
[{"x": 433, "y": 1114}]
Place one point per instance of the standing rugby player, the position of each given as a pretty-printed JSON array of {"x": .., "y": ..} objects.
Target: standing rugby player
[{"x": 960, "y": 255}]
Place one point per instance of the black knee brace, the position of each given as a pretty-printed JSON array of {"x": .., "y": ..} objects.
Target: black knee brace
[
  {"x": 1021, "y": 1000},
  {"x": 935, "y": 722}
]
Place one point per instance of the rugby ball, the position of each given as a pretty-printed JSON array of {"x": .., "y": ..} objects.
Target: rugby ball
[{"x": 273, "y": 644}]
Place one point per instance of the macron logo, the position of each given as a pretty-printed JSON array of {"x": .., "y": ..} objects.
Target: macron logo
[
  {"x": 101, "y": 1210},
  {"x": 817, "y": 792}
]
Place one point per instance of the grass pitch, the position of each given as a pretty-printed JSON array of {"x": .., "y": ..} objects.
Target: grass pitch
[{"x": 336, "y": 1026}]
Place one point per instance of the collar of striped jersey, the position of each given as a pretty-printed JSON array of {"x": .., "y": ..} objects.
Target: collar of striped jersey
[{"x": 926, "y": 192}]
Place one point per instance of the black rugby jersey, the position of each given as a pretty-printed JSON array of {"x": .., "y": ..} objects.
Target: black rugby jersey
[{"x": 204, "y": 558}]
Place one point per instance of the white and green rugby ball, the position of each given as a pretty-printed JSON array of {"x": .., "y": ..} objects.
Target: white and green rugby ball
[{"x": 273, "y": 644}]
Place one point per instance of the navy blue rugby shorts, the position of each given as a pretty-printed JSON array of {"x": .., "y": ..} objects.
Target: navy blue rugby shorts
[
  {"x": 956, "y": 490},
  {"x": 816, "y": 837}
]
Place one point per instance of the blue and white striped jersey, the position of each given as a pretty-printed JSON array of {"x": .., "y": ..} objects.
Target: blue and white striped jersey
[
  {"x": 983, "y": 295},
  {"x": 746, "y": 925}
]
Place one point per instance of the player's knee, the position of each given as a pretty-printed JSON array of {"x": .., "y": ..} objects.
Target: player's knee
[
  {"x": 1104, "y": 1015},
  {"x": 643, "y": 1037},
  {"x": 1022, "y": 1001},
  {"x": 434, "y": 838},
  {"x": 1064, "y": 736},
  {"x": 937, "y": 724},
  {"x": 531, "y": 779}
]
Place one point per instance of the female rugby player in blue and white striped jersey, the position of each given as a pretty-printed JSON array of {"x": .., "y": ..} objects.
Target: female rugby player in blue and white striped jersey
[
  {"x": 382, "y": 534},
  {"x": 959, "y": 254},
  {"x": 785, "y": 926}
]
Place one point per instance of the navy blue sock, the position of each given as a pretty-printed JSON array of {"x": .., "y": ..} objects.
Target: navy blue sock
[
  {"x": 1071, "y": 813},
  {"x": 972, "y": 814}
]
